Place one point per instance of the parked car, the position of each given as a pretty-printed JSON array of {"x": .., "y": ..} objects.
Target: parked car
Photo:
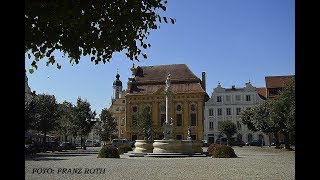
[
  {"x": 222, "y": 140},
  {"x": 119, "y": 142},
  {"x": 255, "y": 143},
  {"x": 132, "y": 143},
  {"x": 237, "y": 142},
  {"x": 92, "y": 143},
  {"x": 204, "y": 143},
  {"x": 233, "y": 141},
  {"x": 50, "y": 146},
  {"x": 67, "y": 146},
  {"x": 32, "y": 148}
]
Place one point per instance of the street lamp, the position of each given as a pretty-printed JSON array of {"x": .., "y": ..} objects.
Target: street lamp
[{"x": 93, "y": 121}]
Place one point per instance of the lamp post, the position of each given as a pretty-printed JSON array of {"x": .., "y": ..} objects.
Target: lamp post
[{"x": 93, "y": 121}]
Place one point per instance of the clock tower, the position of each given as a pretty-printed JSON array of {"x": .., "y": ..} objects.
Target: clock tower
[{"x": 117, "y": 87}]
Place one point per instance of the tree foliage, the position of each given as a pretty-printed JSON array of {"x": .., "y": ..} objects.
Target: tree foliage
[
  {"x": 262, "y": 118},
  {"x": 45, "y": 113},
  {"x": 29, "y": 114},
  {"x": 83, "y": 117},
  {"x": 96, "y": 28},
  {"x": 284, "y": 111},
  {"x": 275, "y": 115},
  {"x": 144, "y": 121},
  {"x": 246, "y": 117},
  {"x": 228, "y": 128},
  {"x": 66, "y": 120},
  {"x": 284, "y": 108},
  {"x": 106, "y": 125}
]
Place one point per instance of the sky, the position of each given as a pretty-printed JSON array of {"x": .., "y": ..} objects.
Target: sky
[{"x": 233, "y": 41}]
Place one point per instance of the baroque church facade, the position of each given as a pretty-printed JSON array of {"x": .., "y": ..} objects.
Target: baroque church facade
[
  {"x": 118, "y": 107},
  {"x": 147, "y": 86}
]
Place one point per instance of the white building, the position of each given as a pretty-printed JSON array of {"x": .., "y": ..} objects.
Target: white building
[{"x": 226, "y": 104}]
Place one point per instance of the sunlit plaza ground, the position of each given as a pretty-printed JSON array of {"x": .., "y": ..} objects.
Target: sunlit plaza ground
[{"x": 252, "y": 163}]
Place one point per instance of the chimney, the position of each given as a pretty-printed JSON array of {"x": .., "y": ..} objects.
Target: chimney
[{"x": 203, "y": 81}]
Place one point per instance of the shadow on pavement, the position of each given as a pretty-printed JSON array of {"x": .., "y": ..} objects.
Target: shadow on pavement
[{"x": 55, "y": 156}]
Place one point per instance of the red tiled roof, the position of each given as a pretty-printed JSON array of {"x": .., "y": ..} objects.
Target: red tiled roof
[
  {"x": 175, "y": 88},
  {"x": 262, "y": 91},
  {"x": 277, "y": 81},
  {"x": 150, "y": 79},
  {"x": 179, "y": 72}
]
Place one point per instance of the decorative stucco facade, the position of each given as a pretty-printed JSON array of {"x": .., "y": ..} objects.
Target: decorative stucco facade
[
  {"x": 226, "y": 104},
  {"x": 146, "y": 87}
]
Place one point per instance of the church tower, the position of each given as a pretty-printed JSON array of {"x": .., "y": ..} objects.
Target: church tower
[{"x": 117, "y": 87}]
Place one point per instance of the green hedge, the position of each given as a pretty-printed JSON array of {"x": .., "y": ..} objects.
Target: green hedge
[
  {"x": 108, "y": 151},
  {"x": 124, "y": 148},
  {"x": 221, "y": 151}
]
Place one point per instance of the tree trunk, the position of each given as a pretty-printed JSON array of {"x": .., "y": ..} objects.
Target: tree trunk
[
  {"x": 276, "y": 136},
  {"x": 269, "y": 135},
  {"x": 45, "y": 137},
  {"x": 81, "y": 141},
  {"x": 286, "y": 140}
]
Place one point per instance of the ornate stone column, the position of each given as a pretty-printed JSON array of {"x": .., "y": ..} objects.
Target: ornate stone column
[{"x": 167, "y": 127}]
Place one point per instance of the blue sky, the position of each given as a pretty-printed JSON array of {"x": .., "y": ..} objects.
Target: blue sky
[{"x": 233, "y": 41}]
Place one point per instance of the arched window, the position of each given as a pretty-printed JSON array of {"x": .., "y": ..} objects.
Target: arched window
[
  {"x": 162, "y": 114},
  {"x": 193, "y": 114},
  {"x": 179, "y": 115},
  {"x": 134, "y": 115}
]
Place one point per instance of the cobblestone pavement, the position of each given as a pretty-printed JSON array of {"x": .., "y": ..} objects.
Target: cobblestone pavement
[{"x": 252, "y": 163}]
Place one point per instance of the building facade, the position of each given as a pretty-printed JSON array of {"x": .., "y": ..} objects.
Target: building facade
[
  {"x": 118, "y": 107},
  {"x": 146, "y": 87},
  {"x": 226, "y": 104},
  {"x": 274, "y": 85}
]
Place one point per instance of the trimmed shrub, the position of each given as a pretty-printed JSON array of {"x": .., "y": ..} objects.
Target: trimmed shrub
[
  {"x": 124, "y": 148},
  {"x": 211, "y": 149},
  {"x": 108, "y": 151},
  {"x": 223, "y": 151}
]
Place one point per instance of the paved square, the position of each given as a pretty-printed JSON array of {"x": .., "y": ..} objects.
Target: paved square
[{"x": 253, "y": 163}]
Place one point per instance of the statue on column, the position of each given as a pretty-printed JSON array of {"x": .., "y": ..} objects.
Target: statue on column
[
  {"x": 168, "y": 83},
  {"x": 189, "y": 133}
]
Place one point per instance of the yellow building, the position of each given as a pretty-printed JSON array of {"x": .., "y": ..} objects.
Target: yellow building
[
  {"x": 117, "y": 108},
  {"x": 146, "y": 86}
]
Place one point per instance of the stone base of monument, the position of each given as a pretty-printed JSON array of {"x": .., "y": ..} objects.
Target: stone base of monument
[
  {"x": 142, "y": 148},
  {"x": 176, "y": 148}
]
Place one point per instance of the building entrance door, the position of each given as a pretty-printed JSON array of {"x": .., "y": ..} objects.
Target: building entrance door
[{"x": 210, "y": 140}]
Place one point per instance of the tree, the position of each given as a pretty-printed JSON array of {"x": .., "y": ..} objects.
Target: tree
[
  {"x": 259, "y": 119},
  {"x": 83, "y": 117},
  {"x": 144, "y": 121},
  {"x": 246, "y": 117},
  {"x": 46, "y": 110},
  {"x": 264, "y": 122},
  {"x": 96, "y": 28},
  {"x": 66, "y": 120},
  {"x": 29, "y": 114},
  {"x": 228, "y": 128},
  {"x": 106, "y": 125},
  {"x": 284, "y": 111}
]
